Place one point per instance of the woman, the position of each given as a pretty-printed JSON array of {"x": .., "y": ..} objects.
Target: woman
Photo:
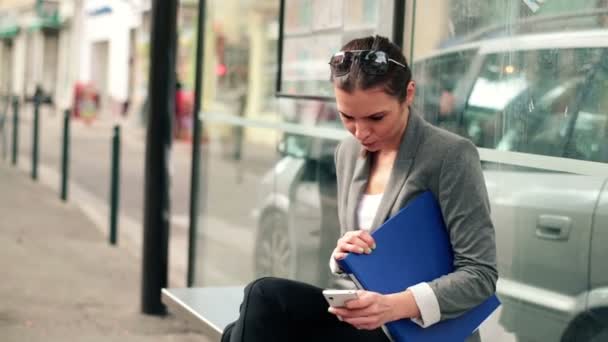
[{"x": 392, "y": 156}]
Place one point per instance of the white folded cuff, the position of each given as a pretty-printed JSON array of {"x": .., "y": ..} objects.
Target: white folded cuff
[
  {"x": 427, "y": 304},
  {"x": 334, "y": 267}
]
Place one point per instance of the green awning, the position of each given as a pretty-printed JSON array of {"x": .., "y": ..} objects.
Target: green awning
[
  {"x": 9, "y": 31},
  {"x": 52, "y": 22}
]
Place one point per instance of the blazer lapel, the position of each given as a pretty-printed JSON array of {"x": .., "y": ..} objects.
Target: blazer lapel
[
  {"x": 357, "y": 188},
  {"x": 401, "y": 168}
]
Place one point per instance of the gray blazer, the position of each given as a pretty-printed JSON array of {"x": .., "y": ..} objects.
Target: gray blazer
[{"x": 448, "y": 165}]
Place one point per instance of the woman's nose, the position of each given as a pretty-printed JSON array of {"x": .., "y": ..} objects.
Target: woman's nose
[{"x": 361, "y": 131}]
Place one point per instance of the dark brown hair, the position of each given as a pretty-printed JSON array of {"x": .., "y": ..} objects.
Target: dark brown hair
[{"x": 394, "y": 82}]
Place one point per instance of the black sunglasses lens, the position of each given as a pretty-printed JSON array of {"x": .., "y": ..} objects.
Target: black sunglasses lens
[
  {"x": 375, "y": 63},
  {"x": 340, "y": 64}
]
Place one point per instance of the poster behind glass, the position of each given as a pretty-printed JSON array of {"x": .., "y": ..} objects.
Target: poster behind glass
[{"x": 315, "y": 29}]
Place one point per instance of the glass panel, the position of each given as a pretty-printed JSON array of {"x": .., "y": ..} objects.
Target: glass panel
[
  {"x": 235, "y": 180},
  {"x": 242, "y": 228},
  {"x": 315, "y": 29},
  {"x": 533, "y": 101},
  {"x": 269, "y": 185},
  {"x": 436, "y": 81},
  {"x": 306, "y": 178},
  {"x": 529, "y": 77},
  {"x": 589, "y": 133}
]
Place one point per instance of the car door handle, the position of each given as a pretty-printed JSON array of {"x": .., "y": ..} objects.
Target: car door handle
[{"x": 553, "y": 227}]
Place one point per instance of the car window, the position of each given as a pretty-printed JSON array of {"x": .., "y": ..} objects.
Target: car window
[
  {"x": 547, "y": 102},
  {"x": 590, "y": 129},
  {"x": 436, "y": 79}
]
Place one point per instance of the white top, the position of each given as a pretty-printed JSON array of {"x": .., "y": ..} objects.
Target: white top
[
  {"x": 367, "y": 210},
  {"x": 423, "y": 293}
]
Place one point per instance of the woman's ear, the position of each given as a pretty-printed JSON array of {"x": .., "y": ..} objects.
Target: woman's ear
[{"x": 410, "y": 93}]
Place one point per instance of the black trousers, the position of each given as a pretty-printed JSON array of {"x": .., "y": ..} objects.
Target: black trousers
[{"x": 283, "y": 310}]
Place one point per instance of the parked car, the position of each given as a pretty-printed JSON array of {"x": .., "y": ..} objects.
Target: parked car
[{"x": 537, "y": 108}]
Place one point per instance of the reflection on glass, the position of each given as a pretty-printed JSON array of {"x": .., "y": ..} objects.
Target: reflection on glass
[
  {"x": 238, "y": 85},
  {"x": 438, "y": 80},
  {"x": 529, "y": 77},
  {"x": 510, "y": 76},
  {"x": 538, "y": 107},
  {"x": 230, "y": 208},
  {"x": 314, "y": 30},
  {"x": 298, "y": 229}
]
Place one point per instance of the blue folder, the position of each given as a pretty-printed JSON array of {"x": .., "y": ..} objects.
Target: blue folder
[{"x": 412, "y": 247}]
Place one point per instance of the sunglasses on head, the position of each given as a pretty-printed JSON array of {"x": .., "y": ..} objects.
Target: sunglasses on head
[{"x": 372, "y": 62}]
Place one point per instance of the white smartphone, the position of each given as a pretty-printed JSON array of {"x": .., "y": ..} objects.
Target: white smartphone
[{"x": 338, "y": 298}]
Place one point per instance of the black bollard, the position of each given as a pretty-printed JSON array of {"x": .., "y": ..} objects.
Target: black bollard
[
  {"x": 115, "y": 184},
  {"x": 65, "y": 156},
  {"x": 35, "y": 133},
  {"x": 15, "y": 129}
]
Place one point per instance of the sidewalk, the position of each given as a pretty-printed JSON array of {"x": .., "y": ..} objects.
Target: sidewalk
[{"x": 61, "y": 279}]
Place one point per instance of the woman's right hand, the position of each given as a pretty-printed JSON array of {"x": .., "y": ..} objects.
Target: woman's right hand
[{"x": 358, "y": 242}]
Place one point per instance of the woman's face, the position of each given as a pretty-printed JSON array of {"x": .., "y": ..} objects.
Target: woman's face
[{"x": 372, "y": 116}]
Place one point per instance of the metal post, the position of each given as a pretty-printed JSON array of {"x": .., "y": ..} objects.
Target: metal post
[
  {"x": 65, "y": 156},
  {"x": 161, "y": 97},
  {"x": 15, "y": 129},
  {"x": 196, "y": 150},
  {"x": 36, "y": 139},
  {"x": 399, "y": 23},
  {"x": 115, "y": 184},
  {"x": 4, "y": 125},
  {"x": 277, "y": 86},
  {"x": 412, "y": 35}
]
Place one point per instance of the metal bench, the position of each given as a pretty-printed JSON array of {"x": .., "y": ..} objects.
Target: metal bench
[{"x": 208, "y": 308}]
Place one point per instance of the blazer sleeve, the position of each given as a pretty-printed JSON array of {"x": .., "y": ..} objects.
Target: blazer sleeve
[{"x": 464, "y": 202}]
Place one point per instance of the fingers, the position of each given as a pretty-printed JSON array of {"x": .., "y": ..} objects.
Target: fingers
[
  {"x": 364, "y": 300},
  {"x": 360, "y": 319},
  {"x": 340, "y": 255},
  {"x": 367, "y": 238},
  {"x": 354, "y": 246},
  {"x": 367, "y": 323},
  {"x": 347, "y": 313},
  {"x": 358, "y": 242},
  {"x": 366, "y": 312},
  {"x": 360, "y": 235},
  {"x": 363, "y": 306}
]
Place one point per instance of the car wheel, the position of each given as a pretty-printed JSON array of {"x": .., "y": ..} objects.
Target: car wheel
[
  {"x": 586, "y": 328},
  {"x": 273, "y": 252}
]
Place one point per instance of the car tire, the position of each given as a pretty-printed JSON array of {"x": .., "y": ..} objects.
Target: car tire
[
  {"x": 586, "y": 328},
  {"x": 274, "y": 255}
]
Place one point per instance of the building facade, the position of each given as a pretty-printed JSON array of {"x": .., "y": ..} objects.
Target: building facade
[{"x": 36, "y": 43}]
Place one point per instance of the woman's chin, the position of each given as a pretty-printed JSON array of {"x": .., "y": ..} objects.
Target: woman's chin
[{"x": 371, "y": 147}]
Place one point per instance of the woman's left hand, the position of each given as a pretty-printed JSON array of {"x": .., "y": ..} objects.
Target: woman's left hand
[{"x": 370, "y": 311}]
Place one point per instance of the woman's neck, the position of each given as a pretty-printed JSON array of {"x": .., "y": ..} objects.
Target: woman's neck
[
  {"x": 384, "y": 158},
  {"x": 394, "y": 146}
]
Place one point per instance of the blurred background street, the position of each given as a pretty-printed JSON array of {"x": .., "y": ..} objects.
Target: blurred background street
[
  {"x": 224, "y": 113},
  {"x": 90, "y": 172}
]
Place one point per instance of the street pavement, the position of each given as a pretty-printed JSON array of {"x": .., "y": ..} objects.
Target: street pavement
[
  {"x": 62, "y": 281},
  {"x": 227, "y": 208}
]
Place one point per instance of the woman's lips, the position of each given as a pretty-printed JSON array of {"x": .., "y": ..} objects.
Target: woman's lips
[{"x": 367, "y": 144}]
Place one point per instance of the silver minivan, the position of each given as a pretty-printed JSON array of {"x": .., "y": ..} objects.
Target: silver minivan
[{"x": 537, "y": 108}]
